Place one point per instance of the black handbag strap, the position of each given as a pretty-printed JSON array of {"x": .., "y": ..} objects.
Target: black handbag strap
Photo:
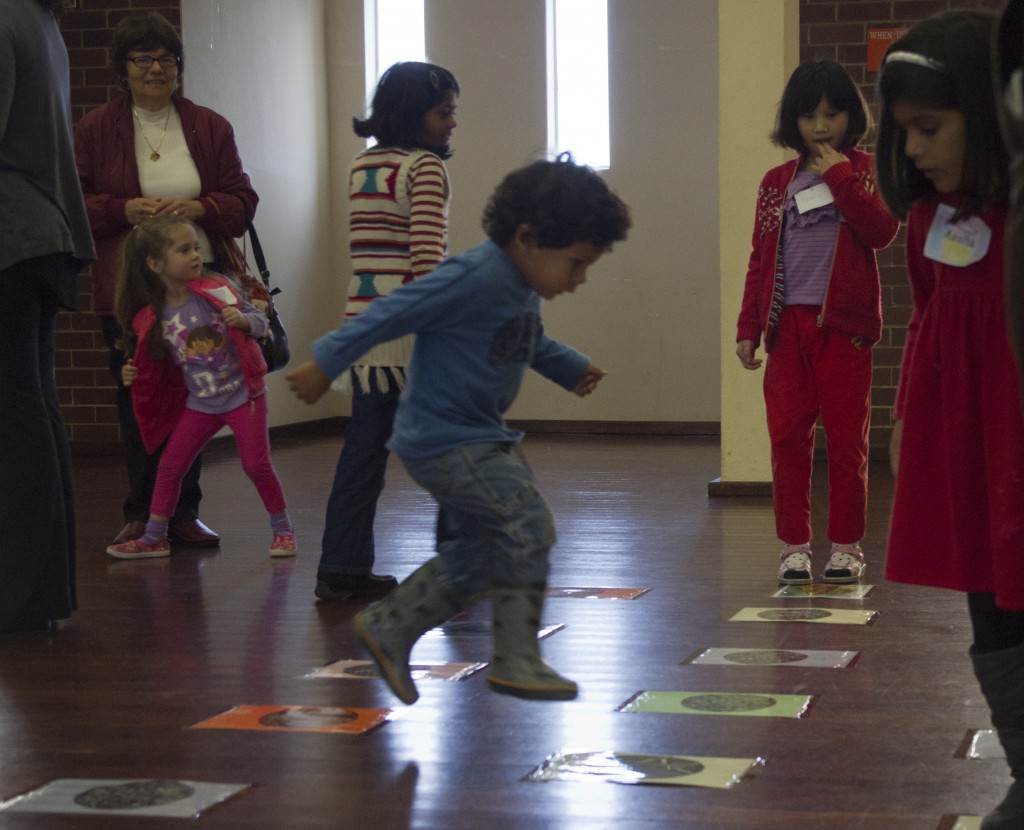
[{"x": 261, "y": 262}]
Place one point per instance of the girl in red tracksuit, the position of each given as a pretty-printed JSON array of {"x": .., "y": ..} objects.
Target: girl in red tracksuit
[
  {"x": 812, "y": 296},
  {"x": 197, "y": 367}
]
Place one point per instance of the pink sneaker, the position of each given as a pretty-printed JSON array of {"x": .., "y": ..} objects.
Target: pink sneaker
[
  {"x": 283, "y": 545},
  {"x": 135, "y": 549}
]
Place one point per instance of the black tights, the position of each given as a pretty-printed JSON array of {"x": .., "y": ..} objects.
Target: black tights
[{"x": 994, "y": 628}]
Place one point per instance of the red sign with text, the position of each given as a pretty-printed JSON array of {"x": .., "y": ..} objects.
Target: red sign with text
[{"x": 879, "y": 40}]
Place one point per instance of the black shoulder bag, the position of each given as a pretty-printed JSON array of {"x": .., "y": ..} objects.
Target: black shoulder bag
[{"x": 275, "y": 342}]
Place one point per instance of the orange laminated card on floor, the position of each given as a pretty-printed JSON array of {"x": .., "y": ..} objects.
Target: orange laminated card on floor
[{"x": 299, "y": 719}]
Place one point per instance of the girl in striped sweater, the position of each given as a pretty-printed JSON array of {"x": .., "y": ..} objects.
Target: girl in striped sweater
[{"x": 398, "y": 232}]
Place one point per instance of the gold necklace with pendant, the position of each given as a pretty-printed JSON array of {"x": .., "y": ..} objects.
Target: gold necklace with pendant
[{"x": 155, "y": 151}]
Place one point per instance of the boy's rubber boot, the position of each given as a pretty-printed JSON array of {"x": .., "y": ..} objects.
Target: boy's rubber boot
[
  {"x": 1001, "y": 675},
  {"x": 391, "y": 627},
  {"x": 517, "y": 668}
]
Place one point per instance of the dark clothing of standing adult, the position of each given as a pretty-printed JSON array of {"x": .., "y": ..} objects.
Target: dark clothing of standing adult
[{"x": 45, "y": 243}]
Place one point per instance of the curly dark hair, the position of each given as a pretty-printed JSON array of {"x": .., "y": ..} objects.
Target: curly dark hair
[{"x": 562, "y": 202}]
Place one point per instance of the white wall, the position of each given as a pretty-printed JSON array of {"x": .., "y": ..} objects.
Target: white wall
[
  {"x": 649, "y": 312},
  {"x": 289, "y": 75},
  {"x": 261, "y": 64}
]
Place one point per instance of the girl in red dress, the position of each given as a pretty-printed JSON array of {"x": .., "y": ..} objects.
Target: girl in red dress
[{"x": 958, "y": 510}]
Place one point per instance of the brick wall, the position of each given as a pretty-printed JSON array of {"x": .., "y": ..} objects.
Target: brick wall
[
  {"x": 86, "y": 388},
  {"x": 837, "y": 30},
  {"x": 829, "y": 29}
]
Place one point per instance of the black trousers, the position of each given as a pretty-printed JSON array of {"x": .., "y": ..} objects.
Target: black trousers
[
  {"x": 995, "y": 629},
  {"x": 37, "y": 517},
  {"x": 141, "y": 464}
]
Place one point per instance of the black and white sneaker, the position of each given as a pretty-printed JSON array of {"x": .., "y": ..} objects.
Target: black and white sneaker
[{"x": 795, "y": 565}]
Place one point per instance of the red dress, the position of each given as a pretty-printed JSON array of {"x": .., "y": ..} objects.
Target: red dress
[{"x": 958, "y": 510}]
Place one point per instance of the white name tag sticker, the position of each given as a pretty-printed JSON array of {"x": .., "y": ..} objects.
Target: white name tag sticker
[
  {"x": 224, "y": 294},
  {"x": 813, "y": 197},
  {"x": 959, "y": 243}
]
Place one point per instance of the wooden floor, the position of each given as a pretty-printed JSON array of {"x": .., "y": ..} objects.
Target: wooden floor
[{"x": 159, "y": 646}]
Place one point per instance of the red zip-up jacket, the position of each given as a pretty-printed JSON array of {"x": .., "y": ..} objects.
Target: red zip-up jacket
[
  {"x": 853, "y": 295},
  {"x": 105, "y": 155},
  {"x": 159, "y": 392}
]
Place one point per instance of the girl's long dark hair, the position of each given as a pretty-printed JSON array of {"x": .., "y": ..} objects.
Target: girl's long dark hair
[
  {"x": 958, "y": 45},
  {"x": 137, "y": 285},
  {"x": 404, "y": 93}
]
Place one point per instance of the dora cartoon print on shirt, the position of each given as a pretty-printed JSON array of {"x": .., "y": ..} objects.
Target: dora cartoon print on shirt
[{"x": 198, "y": 341}]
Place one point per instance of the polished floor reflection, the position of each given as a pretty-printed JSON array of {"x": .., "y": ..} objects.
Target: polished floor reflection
[{"x": 161, "y": 645}]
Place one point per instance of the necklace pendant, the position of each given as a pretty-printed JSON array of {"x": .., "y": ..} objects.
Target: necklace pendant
[{"x": 154, "y": 156}]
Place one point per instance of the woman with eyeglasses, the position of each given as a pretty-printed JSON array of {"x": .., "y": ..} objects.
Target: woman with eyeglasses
[{"x": 148, "y": 153}]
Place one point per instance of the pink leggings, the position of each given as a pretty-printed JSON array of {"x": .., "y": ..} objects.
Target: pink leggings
[{"x": 194, "y": 429}]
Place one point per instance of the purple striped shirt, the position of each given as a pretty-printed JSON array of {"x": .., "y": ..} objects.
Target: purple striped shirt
[{"x": 808, "y": 244}]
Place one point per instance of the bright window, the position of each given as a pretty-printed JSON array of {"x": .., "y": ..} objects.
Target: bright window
[
  {"x": 394, "y": 32},
  {"x": 578, "y": 80}
]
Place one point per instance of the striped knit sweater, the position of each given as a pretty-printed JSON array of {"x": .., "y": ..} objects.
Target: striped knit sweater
[{"x": 398, "y": 232}]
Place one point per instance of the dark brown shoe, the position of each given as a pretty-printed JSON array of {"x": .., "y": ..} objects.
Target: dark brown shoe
[
  {"x": 331, "y": 587},
  {"x": 192, "y": 533},
  {"x": 131, "y": 532}
]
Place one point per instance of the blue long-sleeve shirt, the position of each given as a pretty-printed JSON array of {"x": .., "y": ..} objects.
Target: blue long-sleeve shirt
[{"x": 478, "y": 327}]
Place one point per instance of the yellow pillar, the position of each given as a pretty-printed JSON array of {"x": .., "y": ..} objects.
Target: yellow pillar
[{"x": 758, "y": 48}]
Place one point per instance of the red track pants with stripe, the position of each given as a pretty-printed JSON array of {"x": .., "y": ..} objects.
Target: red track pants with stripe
[{"x": 816, "y": 371}]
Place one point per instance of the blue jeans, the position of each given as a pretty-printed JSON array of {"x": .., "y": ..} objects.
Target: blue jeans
[
  {"x": 498, "y": 529},
  {"x": 358, "y": 481}
]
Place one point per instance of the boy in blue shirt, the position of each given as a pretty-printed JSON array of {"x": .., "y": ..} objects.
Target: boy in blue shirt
[{"x": 478, "y": 328}]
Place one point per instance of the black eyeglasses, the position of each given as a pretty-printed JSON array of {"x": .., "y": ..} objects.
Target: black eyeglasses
[{"x": 146, "y": 61}]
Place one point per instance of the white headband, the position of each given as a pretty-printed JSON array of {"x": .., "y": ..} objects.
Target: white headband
[{"x": 914, "y": 58}]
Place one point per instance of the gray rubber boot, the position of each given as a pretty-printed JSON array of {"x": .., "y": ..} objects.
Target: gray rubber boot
[
  {"x": 517, "y": 668},
  {"x": 391, "y": 627},
  {"x": 1001, "y": 675}
]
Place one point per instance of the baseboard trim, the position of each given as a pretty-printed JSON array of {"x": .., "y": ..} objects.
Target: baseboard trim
[
  {"x": 718, "y": 488},
  {"x": 703, "y": 428},
  {"x": 335, "y": 426}
]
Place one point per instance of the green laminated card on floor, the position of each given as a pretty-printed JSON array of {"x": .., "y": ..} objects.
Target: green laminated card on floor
[
  {"x": 719, "y": 703},
  {"x": 818, "y": 659}
]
